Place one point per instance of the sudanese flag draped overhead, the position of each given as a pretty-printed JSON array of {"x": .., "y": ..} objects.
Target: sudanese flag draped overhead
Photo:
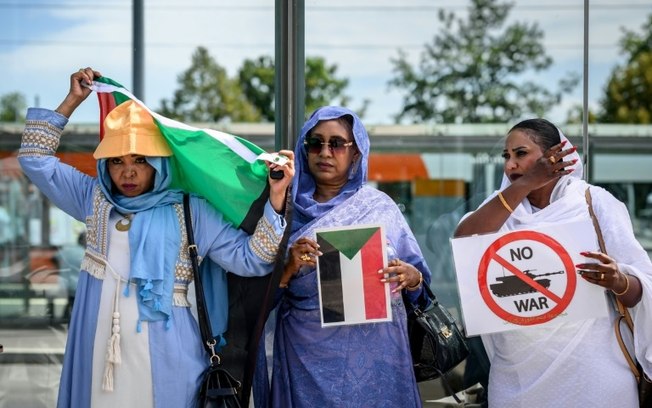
[
  {"x": 227, "y": 171},
  {"x": 222, "y": 168}
]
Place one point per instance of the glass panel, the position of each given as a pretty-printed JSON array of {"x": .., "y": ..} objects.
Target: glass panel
[
  {"x": 440, "y": 163},
  {"x": 41, "y": 44}
]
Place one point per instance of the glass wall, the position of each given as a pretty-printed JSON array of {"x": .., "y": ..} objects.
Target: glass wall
[
  {"x": 427, "y": 70},
  {"x": 436, "y": 164},
  {"x": 41, "y": 44}
]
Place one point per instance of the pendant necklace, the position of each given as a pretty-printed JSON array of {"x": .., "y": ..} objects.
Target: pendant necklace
[{"x": 124, "y": 223}]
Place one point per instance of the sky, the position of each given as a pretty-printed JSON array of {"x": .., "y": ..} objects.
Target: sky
[{"x": 43, "y": 41}]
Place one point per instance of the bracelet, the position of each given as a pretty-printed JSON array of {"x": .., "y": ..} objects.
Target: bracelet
[
  {"x": 502, "y": 200},
  {"x": 626, "y": 286},
  {"x": 417, "y": 286}
]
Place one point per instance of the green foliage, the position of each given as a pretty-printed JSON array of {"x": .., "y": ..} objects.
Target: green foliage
[
  {"x": 257, "y": 82},
  {"x": 575, "y": 115},
  {"x": 628, "y": 93},
  {"x": 207, "y": 94},
  {"x": 12, "y": 107},
  {"x": 473, "y": 71},
  {"x": 323, "y": 87}
]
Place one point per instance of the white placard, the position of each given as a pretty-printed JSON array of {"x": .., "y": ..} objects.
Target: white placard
[{"x": 526, "y": 278}]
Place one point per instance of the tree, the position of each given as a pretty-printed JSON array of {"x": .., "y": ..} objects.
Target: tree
[
  {"x": 257, "y": 82},
  {"x": 322, "y": 86},
  {"x": 628, "y": 93},
  {"x": 12, "y": 107},
  {"x": 207, "y": 94},
  {"x": 575, "y": 114},
  {"x": 470, "y": 71}
]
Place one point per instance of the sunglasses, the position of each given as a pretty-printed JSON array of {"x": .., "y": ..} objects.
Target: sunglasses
[{"x": 335, "y": 145}]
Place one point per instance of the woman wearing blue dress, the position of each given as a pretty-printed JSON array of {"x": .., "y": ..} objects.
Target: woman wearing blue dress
[{"x": 133, "y": 340}]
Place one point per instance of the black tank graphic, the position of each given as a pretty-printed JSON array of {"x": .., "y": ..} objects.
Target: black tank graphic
[{"x": 512, "y": 285}]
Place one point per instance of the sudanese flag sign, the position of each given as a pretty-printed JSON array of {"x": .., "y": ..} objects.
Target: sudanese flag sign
[{"x": 350, "y": 290}]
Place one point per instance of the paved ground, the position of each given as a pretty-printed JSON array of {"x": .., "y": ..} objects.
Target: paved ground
[
  {"x": 31, "y": 363},
  {"x": 30, "y": 366}
]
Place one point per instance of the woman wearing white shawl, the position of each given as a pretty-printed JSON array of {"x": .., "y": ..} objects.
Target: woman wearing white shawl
[{"x": 577, "y": 363}]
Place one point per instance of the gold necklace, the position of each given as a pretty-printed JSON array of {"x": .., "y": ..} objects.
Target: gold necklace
[{"x": 124, "y": 223}]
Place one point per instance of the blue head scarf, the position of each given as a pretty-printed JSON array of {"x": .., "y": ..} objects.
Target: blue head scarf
[
  {"x": 154, "y": 238},
  {"x": 303, "y": 184}
]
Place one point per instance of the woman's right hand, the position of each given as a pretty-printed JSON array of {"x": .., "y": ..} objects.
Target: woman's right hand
[
  {"x": 303, "y": 252},
  {"x": 278, "y": 187},
  {"x": 79, "y": 90},
  {"x": 549, "y": 167}
]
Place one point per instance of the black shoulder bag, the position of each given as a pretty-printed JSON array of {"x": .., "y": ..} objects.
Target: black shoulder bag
[
  {"x": 218, "y": 389},
  {"x": 436, "y": 343}
]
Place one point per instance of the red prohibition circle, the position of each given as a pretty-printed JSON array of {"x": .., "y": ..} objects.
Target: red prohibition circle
[{"x": 566, "y": 259}]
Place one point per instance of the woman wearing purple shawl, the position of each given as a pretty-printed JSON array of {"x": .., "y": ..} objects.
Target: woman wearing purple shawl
[{"x": 355, "y": 365}]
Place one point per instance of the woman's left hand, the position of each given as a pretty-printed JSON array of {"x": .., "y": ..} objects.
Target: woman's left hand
[
  {"x": 603, "y": 273},
  {"x": 279, "y": 186},
  {"x": 405, "y": 274}
]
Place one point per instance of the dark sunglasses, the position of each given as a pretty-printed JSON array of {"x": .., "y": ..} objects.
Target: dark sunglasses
[{"x": 335, "y": 145}]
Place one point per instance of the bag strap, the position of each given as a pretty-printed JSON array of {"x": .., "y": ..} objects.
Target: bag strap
[
  {"x": 623, "y": 312},
  {"x": 429, "y": 292},
  {"x": 208, "y": 340}
]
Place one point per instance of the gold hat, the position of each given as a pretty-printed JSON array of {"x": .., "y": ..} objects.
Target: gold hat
[{"x": 130, "y": 129}]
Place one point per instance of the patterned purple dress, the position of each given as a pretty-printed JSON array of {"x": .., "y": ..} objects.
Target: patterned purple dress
[{"x": 366, "y": 365}]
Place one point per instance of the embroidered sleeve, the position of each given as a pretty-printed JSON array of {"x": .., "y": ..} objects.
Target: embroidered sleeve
[
  {"x": 66, "y": 187},
  {"x": 265, "y": 240},
  {"x": 42, "y": 133}
]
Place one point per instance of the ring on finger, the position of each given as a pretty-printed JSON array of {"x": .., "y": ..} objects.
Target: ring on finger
[
  {"x": 305, "y": 257},
  {"x": 552, "y": 159},
  {"x": 401, "y": 277},
  {"x": 602, "y": 276}
]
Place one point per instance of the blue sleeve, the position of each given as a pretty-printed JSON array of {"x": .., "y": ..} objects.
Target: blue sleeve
[
  {"x": 408, "y": 251},
  {"x": 232, "y": 248},
  {"x": 65, "y": 186},
  {"x": 406, "y": 248}
]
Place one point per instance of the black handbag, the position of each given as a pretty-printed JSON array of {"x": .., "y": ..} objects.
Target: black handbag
[
  {"x": 218, "y": 389},
  {"x": 436, "y": 343}
]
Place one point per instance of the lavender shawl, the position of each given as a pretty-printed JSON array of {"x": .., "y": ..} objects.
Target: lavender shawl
[{"x": 352, "y": 366}]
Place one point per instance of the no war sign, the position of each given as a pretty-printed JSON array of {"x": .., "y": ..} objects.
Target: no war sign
[{"x": 526, "y": 278}]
